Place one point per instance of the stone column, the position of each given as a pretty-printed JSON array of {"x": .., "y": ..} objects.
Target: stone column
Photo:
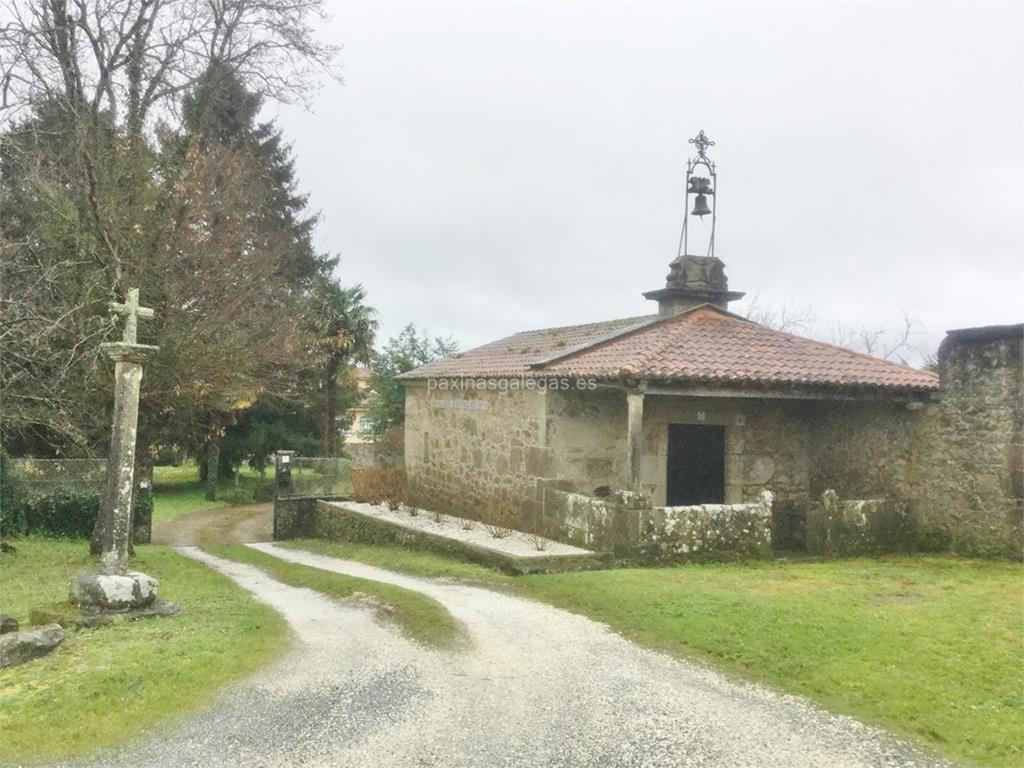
[
  {"x": 117, "y": 495},
  {"x": 634, "y": 429}
]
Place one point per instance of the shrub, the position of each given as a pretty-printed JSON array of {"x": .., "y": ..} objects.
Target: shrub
[
  {"x": 265, "y": 492},
  {"x": 373, "y": 486},
  {"x": 538, "y": 542},
  {"x": 495, "y": 522},
  {"x": 65, "y": 514},
  {"x": 238, "y": 496},
  {"x": 366, "y": 486},
  {"x": 540, "y": 531},
  {"x": 142, "y": 507}
]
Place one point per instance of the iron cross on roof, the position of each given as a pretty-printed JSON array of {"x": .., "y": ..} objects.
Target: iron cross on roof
[
  {"x": 132, "y": 312},
  {"x": 702, "y": 143}
]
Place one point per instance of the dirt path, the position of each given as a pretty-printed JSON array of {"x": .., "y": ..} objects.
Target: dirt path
[
  {"x": 536, "y": 687},
  {"x": 228, "y": 524}
]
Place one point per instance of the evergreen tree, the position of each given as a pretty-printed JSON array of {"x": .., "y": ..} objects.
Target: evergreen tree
[{"x": 409, "y": 350}]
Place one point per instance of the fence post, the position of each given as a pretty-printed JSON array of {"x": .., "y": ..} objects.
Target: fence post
[
  {"x": 283, "y": 472},
  {"x": 283, "y": 461}
]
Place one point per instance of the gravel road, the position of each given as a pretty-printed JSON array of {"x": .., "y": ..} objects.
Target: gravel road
[{"x": 536, "y": 686}]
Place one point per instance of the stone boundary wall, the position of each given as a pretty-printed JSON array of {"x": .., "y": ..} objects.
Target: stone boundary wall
[
  {"x": 954, "y": 463},
  {"x": 610, "y": 524},
  {"x": 715, "y": 530},
  {"x": 969, "y": 468},
  {"x": 625, "y": 524},
  {"x": 861, "y": 526},
  {"x": 294, "y": 516}
]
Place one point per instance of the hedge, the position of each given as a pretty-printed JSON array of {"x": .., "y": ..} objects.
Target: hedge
[{"x": 63, "y": 513}]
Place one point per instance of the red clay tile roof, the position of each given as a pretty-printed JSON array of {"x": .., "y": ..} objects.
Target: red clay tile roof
[
  {"x": 513, "y": 355},
  {"x": 703, "y": 345}
]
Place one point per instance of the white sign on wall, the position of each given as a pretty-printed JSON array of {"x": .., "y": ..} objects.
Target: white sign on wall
[{"x": 462, "y": 405}]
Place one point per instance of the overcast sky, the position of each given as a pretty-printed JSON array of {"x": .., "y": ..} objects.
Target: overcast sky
[{"x": 493, "y": 168}]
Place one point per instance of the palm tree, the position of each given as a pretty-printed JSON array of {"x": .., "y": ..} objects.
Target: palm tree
[{"x": 344, "y": 326}]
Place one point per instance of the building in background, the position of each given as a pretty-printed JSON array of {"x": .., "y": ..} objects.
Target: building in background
[{"x": 356, "y": 432}]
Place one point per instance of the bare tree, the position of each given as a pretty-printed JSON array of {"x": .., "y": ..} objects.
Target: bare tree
[
  {"x": 789, "y": 317},
  {"x": 115, "y": 67},
  {"x": 900, "y": 342},
  {"x": 131, "y": 58}
]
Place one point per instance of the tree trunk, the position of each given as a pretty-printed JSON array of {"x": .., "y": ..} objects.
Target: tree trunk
[
  {"x": 330, "y": 405},
  {"x": 212, "y": 468}
]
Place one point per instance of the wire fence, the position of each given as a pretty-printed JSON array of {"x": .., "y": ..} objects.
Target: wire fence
[
  {"x": 61, "y": 498},
  {"x": 307, "y": 476},
  {"x": 23, "y": 478}
]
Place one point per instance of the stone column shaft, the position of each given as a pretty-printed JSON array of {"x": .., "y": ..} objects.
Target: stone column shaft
[
  {"x": 120, "y": 480},
  {"x": 634, "y": 429}
]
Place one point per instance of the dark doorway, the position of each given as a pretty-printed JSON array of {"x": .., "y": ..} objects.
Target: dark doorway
[{"x": 696, "y": 465}]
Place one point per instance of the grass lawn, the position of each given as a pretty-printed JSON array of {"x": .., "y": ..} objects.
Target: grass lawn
[
  {"x": 411, "y": 561},
  {"x": 101, "y": 686},
  {"x": 420, "y": 617},
  {"x": 178, "y": 490},
  {"x": 929, "y": 647}
]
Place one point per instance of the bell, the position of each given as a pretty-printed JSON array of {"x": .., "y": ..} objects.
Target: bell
[{"x": 700, "y": 206}]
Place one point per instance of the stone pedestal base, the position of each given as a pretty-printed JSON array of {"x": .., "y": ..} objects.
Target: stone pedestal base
[{"x": 115, "y": 592}]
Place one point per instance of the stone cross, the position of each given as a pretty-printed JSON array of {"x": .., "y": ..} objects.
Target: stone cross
[
  {"x": 113, "y": 533},
  {"x": 132, "y": 312}
]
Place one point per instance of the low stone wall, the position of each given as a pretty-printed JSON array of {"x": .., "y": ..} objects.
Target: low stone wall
[
  {"x": 338, "y": 522},
  {"x": 610, "y": 524},
  {"x": 708, "y": 531},
  {"x": 626, "y": 525},
  {"x": 861, "y": 526},
  {"x": 294, "y": 516}
]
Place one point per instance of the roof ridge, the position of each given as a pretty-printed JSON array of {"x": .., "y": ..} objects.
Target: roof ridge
[
  {"x": 620, "y": 333},
  {"x": 636, "y": 318}
]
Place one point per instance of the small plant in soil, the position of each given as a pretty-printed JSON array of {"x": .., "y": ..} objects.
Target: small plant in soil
[
  {"x": 495, "y": 523},
  {"x": 538, "y": 542},
  {"x": 468, "y": 524},
  {"x": 437, "y": 517},
  {"x": 412, "y": 510},
  {"x": 497, "y": 530}
]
